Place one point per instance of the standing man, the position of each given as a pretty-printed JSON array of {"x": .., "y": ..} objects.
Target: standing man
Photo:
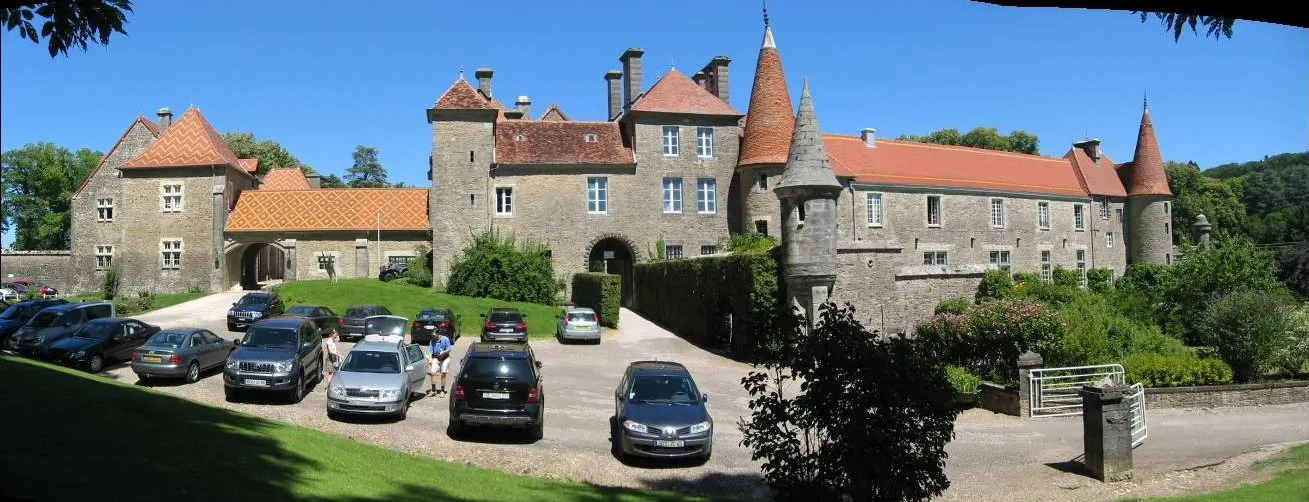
[{"x": 439, "y": 348}]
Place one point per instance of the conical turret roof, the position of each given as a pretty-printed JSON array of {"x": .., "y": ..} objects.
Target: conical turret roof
[
  {"x": 1145, "y": 175},
  {"x": 768, "y": 121},
  {"x": 807, "y": 165}
]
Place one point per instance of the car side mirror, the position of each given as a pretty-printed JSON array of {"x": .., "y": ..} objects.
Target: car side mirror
[
  {"x": 409, "y": 368},
  {"x": 704, "y": 397},
  {"x": 236, "y": 341},
  {"x": 538, "y": 364}
]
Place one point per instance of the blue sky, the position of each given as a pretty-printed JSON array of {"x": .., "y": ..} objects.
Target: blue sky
[{"x": 323, "y": 77}]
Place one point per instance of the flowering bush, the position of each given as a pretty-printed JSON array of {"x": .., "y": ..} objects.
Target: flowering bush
[{"x": 988, "y": 338}]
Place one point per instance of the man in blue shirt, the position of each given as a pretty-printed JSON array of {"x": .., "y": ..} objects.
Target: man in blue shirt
[{"x": 439, "y": 348}]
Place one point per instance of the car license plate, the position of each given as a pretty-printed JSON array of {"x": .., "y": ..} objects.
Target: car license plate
[
  {"x": 495, "y": 395},
  {"x": 676, "y": 443},
  {"x": 151, "y": 359},
  {"x": 506, "y": 330},
  {"x": 429, "y": 327},
  {"x": 584, "y": 327},
  {"x": 254, "y": 382}
]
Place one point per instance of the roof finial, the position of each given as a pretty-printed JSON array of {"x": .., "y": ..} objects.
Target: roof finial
[
  {"x": 1145, "y": 101},
  {"x": 765, "y": 2}
]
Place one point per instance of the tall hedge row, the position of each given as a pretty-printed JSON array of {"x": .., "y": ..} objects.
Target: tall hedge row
[
  {"x": 603, "y": 293},
  {"x": 691, "y": 296}
]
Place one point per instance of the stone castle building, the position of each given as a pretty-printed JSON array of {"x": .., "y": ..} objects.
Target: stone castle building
[{"x": 890, "y": 226}]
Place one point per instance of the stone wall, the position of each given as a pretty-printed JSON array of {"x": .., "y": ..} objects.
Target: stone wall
[
  {"x": 1149, "y": 217},
  {"x": 999, "y": 399},
  {"x": 50, "y": 267},
  {"x": 88, "y": 228},
  {"x": 463, "y": 147},
  {"x": 1257, "y": 394},
  {"x": 892, "y": 297},
  {"x": 355, "y": 253},
  {"x": 146, "y": 225}
]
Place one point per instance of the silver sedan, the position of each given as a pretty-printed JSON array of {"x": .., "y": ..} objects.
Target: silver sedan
[
  {"x": 180, "y": 353},
  {"x": 578, "y": 323}
]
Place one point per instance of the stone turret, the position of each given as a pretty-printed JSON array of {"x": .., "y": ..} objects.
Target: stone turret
[
  {"x": 1200, "y": 231},
  {"x": 808, "y": 191},
  {"x": 1148, "y": 207},
  {"x": 768, "y": 125}
]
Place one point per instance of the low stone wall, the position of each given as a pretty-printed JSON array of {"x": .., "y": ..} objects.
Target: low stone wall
[
  {"x": 999, "y": 399},
  {"x": 1214, "y": 396},
  {"x": 51, "y": 267}
]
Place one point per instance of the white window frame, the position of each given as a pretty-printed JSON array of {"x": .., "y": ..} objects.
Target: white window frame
[
  {"x": 1043, "y": 215},
  {"x": 504, "y": 201},
  {"x": 707, "y": 249},
  {"x": 706, "y": 192},
  {"x": 1002, "y": 259},
  {"x": 937, "y": 223},
  {"x": 1047, "y": 268},
  {"x": 104, "y": 257},
  {"x": 1109, "y": 239},
  {"x": 672, "y": 195},
  {"x": 172, "y": 197},
  {"x": 104, "y": 209},
  {"x": 597, "y": 195},
  {"x": 1080, "y": 256},
  {"x": 668, "y": 251},
  {"x": 1079, "y": 217},
  {"x": 670, "y": 141},
  {"x": 997, "y": 212},
  {"x": 170, "y": 253},
  {"x": 704, "y": 142},
  {"x": 874, "y": 209},
  {"x": 935, "y": 257},
  {"x": 1104, "y": 208}
]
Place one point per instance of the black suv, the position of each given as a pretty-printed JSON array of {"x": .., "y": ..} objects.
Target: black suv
[
  {"x": 660, "y": 412},
  {"x": 504, "y": 324},
  {"x": 431, "y": 321},
  {"x": 278, "y": 354},
  {"x": 498, "y": 385},
  {"x": 55, "y": 323},
  {"x": 251, "y": 308}
]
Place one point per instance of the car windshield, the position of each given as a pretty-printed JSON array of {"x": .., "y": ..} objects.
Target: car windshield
[
  {"x": 386, "y": 326},
  {"x": 431, "y": 316},
  {"x": 96, "y": 330},
  {"x": 581, "y": 316},
  {"x": 253, "y": 300},
  {"x": 506, "y": 317},
  {"x": 664, "y": 389},
  {"x": 493, "y": 368},
  {"x": 170, "y": 339},
  {"x": 13, "y": 312},
  {"x": 359, "y": 311},
  {"x": 270, "y": 338},
  {"x": 369, "y": 361},
  {"x": 43, "y": 319},
  {"x": 301, "y": 310}
]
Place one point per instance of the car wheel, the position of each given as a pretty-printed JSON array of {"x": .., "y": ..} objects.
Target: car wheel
[
  {"x": 404, "y": 409},
  {"x": 332, "y": 415},
  {"x": 193, "y": 372},
  {"x": 387, "y": 276},
  {"x": 538, "y": 430},
  {"x": 96, "y": 363},
  {"x": 143, "y": 378},
  {"x": 298, "y": 391},
  {"x": 231, "y": 394},
  {"x": 455, "y": 429}
]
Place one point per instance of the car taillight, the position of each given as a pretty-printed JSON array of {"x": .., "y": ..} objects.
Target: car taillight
[
  {"x": 489, "y": 325},
  {"x": 416, "y": 324},
  {"x": 174, "y": 359},
  {"x": 340, "y": 322},
  {"x": 534, "y": 395},
  {"x": 445, "y": 324},
  {"x": 135, "y": 355},
  {"x": 522, "y": 326},
  {"x": 459, "y": 393}
]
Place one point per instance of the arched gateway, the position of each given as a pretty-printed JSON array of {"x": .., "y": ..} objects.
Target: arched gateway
[{"x": 614, "y": 254}]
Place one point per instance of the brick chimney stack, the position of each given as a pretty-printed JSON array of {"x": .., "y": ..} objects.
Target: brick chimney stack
[
  {"x": 615, "y": 80},
  {"x": 715, "y": 77},
  {"x": 484, "y": 80},
  {"x": 524, "y": 105},
  {"x": 165, "y": 118},
  {"x": 631, "y": 60}
]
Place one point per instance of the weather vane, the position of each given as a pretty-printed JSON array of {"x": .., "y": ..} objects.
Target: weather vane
[{"x": 765, "y": 13}]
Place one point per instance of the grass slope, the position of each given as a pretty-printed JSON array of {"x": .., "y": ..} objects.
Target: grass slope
[
  {"x": 73, "y": 436},
  {"x": 161, "y": 300},
  {"x": 1290, "y": 484},
  {"x": 406, "y": 300}
]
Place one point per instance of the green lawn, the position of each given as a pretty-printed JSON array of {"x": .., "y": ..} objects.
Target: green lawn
[
  {"x": 406, "y": 300},
  {"x": 161, "y": 299},
  {"x": 1289, "y": 484},
  {"x": 74, "y": 436}
]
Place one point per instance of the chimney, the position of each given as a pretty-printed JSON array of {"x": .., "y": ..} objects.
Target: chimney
[
  {"x": 631, "y": 60},
  {"x": 869, "y": 135},
  {"x": 615, "y": 80},
  {"x": 698, "y": 78},
  {"x": 315, "y": 180},
  {"x": 715, "y": 76},
  {"x": 165, "y": 118},
  {"x": 513, "y": 114},
  {"x": 1092, "y": 148},
  {"x": 484, "y": 80},
  {"x": 524, "y": 105}
]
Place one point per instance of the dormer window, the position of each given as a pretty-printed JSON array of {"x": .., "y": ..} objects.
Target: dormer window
[
  {"x": 520, "y": 138},
  {"x": 590, "y": 137}
]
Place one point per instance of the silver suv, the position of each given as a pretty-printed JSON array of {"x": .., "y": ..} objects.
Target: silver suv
[{"x": 377, "y": 378}]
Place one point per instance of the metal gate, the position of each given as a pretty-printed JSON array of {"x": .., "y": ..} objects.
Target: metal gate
[
  {"x": 1055, "y": 392},
  {"x": 1135, "y": 399}
]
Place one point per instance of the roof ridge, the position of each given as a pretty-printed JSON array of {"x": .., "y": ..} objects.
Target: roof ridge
[
  {"x": 949, "y": 147},
  {"x": 104, "y": 158},
  {"x": 674, "y": 77}
]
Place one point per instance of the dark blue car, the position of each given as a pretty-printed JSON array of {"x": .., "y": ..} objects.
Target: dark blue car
[
  {"x": 659, "y": 412},
  {"x": 100, "y": 342},
  {"x": 17, "y": 315}
]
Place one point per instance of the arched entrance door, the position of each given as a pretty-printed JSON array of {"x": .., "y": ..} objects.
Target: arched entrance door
[
  {"x": 261, "y": 263},
  {"x": 614, "y": 256}
]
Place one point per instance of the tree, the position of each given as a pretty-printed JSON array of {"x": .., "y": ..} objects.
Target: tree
[
  {"x": 981, "y": 137},
  {"x": 869, "y": 421},
  {"x": 1293, "y": 265},
  {"x": 1194, "y": 194},
  {"x": 331, "y": 181},
  {"x": 38, "y": 182},
  {"x": 68, "y": 23},
  {"x": 1214, "y": 25},
  {"x": 271, "y": 154},
  {"x": 366, "y": 172}
]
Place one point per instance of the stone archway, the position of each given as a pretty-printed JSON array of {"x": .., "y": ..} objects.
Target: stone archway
[
  {"x": 614, "y": 254},
  {"x": 255, "y": 264}
]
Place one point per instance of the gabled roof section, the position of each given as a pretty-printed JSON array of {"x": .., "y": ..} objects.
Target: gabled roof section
[
  {"x": 1145, "y": 175},
  {"x": 285, "y": 178},
  {"x": 462, "y": 96},
  {"x": 351, "y": 209},
  {"x": 807, "y": 165},
  {"x": 522, "y": 142},
  {"x": 553, "y": 114},
  {"x": 676, "y": 93},
  {"x": 250, "y": 165},
  {"x": 191, "y": 141},
  {"x": 1097, "y": 178},
  {"x": 139, "y": 121},
  {"x": 767, "y": 133}
]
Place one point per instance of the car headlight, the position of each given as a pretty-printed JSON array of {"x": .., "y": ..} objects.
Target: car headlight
[
  {"x": 390, "y": 394},
  {"x": 336, "y": 391},
  {"x": 256, "y": 315},
  {"x": 231, "y": 364},
  {"x": 635, "y": 427},
  {"x": 283, "y": 366},
  {"x": 701, "y": 427},
  {"x": 39, "y": 339},
  {"x": 232, "y": 312}
]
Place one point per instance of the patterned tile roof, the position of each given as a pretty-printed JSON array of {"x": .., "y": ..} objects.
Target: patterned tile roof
[
  {"x": 285, "y": 178},
  {"x": 895, "y": 162},
  {"x": 190, "y": 141},
  {"x": 767, "y": 135},
  {"x": 553, "y": 113},
  {"x": 138, "y": 121},
  {"x": 1145, "y": 175},
  {"x": 558, "y": 142},
  {"x": 461, "y": 96},
  {"x": 676, "y": 93},
  {"x": 250, "y": 165},
  {"x": 330, "y": 209},
  {"x": 1097, "y": 178}
]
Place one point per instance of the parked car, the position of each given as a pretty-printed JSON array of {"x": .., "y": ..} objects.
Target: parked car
[
  {"x": 17, "y": 315},
  {"x": 393, "y": 271},
  {"x": 431, "y": 321},
  {"x": 377, "y": 378},
  {"x": 352, "y": 323},
  {"x": 504, "y": 324},
  {"x": 180, "y": 353},
  {"x": 276, "y": 355},
  {"x": 659, "y": 412},
  {"x": 100, "y": 342},
  {"x": 385, "y": 328},
  {"x": 578, "y": 323},
  {"x": 498, "y": 385},
  {"x": 55, "y": 323},
  {"x": 252, "y": 307},
  {"x": 323, "y": 318}
]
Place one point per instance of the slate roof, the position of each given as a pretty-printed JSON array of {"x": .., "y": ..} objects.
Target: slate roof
[
  {"x": 676, "y": 93},
  {"x": 807, "y": 164},
  {"x": 285, "y": 178},
  {"x": 1145, "y": 174},
  {"x": 558, "y": 142},
  {"x": 139, "y": 120},
  {"x": 767, "y": 133},
  {"x": 341, "y": 209},
  {"x": 190, "y": 141}
]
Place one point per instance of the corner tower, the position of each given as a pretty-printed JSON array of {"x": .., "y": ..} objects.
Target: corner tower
[
  {"x": 463, "y": 147},
  {"x": 807, "y": 191},
  {"x": 768, "y": 126},
  {"x": 1149, "y": 215}
]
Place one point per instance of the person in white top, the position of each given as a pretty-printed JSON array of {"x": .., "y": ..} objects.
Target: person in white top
[{"x": 332, "y": 353}]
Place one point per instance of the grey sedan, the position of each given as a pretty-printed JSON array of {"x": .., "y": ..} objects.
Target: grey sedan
[
  {"x": 180, "y": 353},
  {"x": 377, "y": 378},
  {"x": 578, "y": 323}
]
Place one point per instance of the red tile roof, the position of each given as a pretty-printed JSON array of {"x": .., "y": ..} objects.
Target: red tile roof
[
  {"x": 250, "y": 165},
  {"x": 190, "y": 141},
  {"x": 1096, "y": 179},
  {"x": 675, "y": 93},
  {"x": 553, "y": 113},
  {"x": 462, "y": 96},
  {"x": 558, "y": 142},
  {"x": 285, "y": 178},
  {"x": 330, "y": 209},
  {"x": 767, "y": 135},
  {"x": 149, "y": 126},
  {"x": 895, "y": 162},
  {"x": 1145, "y": 175}
]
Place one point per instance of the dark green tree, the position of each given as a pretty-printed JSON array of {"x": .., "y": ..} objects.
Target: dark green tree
[
  {"x": 1193, "y": 194},
  {"x": 331, "y": 181},
  {"x": 67, "y": 23},
  {"x": 1214, "y": 26},
  {"x": 38, "y": 181},
  {"x": 367, "y": 171},
  {"x": 271, "y": 154},
  {"x": 981, "y": 137}
]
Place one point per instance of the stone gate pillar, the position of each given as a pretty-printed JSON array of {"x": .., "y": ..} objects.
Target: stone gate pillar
[
  {"x": 1107, "y": 431},
  {"x": 1026, "y": 363}
]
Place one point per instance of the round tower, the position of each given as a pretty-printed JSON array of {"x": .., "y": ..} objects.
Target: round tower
[
  {"x": 807, "y": 191},
  {"x": 1149, "y": 211},
  {"x": 768, "y": 125}
]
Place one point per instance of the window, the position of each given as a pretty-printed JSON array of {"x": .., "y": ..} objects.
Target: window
[
  {"x": 933, "y": 210},
  {"x": 997, "y": 213},
  {"x": 399, "y": 259},
  {"x": 520, "y": 138},
  {"x": 504, "y": 201},
  {"x": 1168, "y": 230},
  {"x": 1109, "y": 239},
  {"x": 326, "y": 262},
  {"x": 800, "y": 210},
  {"x": 1168, "y": 210},
  {"x": 761, "y": 226},
  {"x": 104, "y": 257},
  {"x": 1047, "y": 274},
  {"x": 1119, "y": 214},
  {"x": 590, "y": 137},
  {"x": 763, "y": 181},
  {"x": 704, "y": 142},
  {"x": 708, "y": 249},
  {"x": 1104, "y": 208},
  {"x": 172, "y": 198},
  {"x": 597, "y": 195},
  {"x": 1081, "y": 266},
  {"x": 1043, "y": 215},
  {"x": 934, "y": 258},
  {"x": 672, "y": 251},
  {"x": 171, "y": 249},
  {"x": 706, "y": 195},
  {"x": 672, "y": 195},
  {"x": 472, "y": 199},
  {"x": 874, "y": 209},
  {"x": 104, "y": 209},
  {"x": 1079, "y": 218},
  {"x": 670, "y": 141},
  {"x": 1001, "y": 260}
]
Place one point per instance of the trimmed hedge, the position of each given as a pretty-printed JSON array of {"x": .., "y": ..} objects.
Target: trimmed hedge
[
  {"x": 603, "y": 293},
  {"x": 1154, "y": 370},
  {"x": 690, "y": 297}
]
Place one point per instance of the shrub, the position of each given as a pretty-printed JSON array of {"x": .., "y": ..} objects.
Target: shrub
[
  {"x": 194, "y": 289},
  {"x": 1098, "y": 279},
  {"x": 988, "y": 338},
  {"x": 124, "y": 307},
  {"x": 1293, "y": 268},
  {"x": 1250, "y": 329},
  {"x": 996, "y": 285},
  {"x": 603, "y": 293},
  {"x": 962, "y": 381},
  {"x": 953, "y": 306},
  {"x": 1066, "y": 277},
  {"x": 1154, "y": 370},
  {"x": 494, "y": 267},
  {"x": 144, "y": 300},
  {"x": 1205, "y": 275},
  {"x": 420, "y": 268},
  {"x": 752, "y": 242},
  {"x": 109, "y": 283},
  {"x": 1096, "y": 333},
  {"x": 1293, "y": 357}
]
